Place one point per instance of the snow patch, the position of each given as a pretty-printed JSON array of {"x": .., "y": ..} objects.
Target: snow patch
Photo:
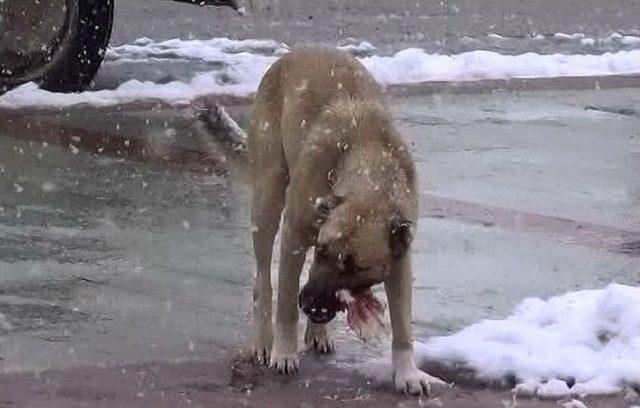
[
  {"x": 588, "y": 42},
  {"x": 563, "y": 36},
  {"x": 238, "y": 66},
  {"x": 630, "y": 40},
  {"x": 359, "y": 49},
  {"x": 613, "y": 38},
  {"x": 591, "y": 337},
  {"x": 415, "y": 65},
  {"x": 573, "y": 403},
  {"x": 554, "y": 388},
  {"x": 213, "y": 50},
  {"x": 240, "y": 79}
]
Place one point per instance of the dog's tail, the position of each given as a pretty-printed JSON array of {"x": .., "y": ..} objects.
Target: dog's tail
[
  {"x": 220, "y": 135},
  {"x": 218, "y": 122}
]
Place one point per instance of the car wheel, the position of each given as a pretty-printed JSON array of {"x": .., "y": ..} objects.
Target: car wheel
[{"x": 58, "y": 44}]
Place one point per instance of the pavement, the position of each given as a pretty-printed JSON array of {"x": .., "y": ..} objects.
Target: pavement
[
  {"x": 436, "y": 25},
  {"x": 125, "y": 258},
  {"x": 122, "y": 257}
]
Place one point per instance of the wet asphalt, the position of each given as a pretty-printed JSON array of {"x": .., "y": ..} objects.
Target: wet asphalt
[
  {"x": 109, "y": 256},
  {"x": 436, "y": 25}
]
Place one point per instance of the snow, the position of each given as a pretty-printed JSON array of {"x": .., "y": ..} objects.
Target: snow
[
  {"x": 554, "y": 388},
  {"x": 580, "y": 343},
  {"x": 362, "y": 48},
  {"x": 630, "y": 40},
  {"x": 240, "y": 75},
  {"x": 566, "y": 37},
  {"x": 592, "y": 336},
  {"x": 213, "y": 50},
  {"x": 237, "y": 67},
  {"x": 573, "y": 404},
  {"x": 627, "y": 40},
  {"x": 415, "y": 65}
]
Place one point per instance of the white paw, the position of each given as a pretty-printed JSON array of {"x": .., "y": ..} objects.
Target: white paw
[
  {"x": 263, "y": 343},
  {"x": 318, "y": 337},
  {"x": 284, "y": 354},
  {"x": 284, "y": 362},
  {"x": 412, "y": 381}
]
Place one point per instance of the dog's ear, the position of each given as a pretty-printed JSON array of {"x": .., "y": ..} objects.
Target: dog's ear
[
  {"x": 400, "y": 235},
  {"x": 323, "y": 207}
]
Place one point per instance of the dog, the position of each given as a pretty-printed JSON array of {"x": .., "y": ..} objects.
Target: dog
[{"x": 325, "y": 158}]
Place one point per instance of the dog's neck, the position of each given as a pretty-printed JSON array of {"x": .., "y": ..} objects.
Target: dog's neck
[
  {"x": 369, "y": 170},
  {"x": 374, "y": 165}
]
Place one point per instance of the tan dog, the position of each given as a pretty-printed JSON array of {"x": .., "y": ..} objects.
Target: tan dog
[{"x": 323, "y": 149}]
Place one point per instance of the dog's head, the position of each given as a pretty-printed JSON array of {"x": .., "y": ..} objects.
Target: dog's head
[{"x": 356, "y": 245}]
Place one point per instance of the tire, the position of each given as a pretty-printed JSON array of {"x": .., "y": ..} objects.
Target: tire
[{"x": 66, "y": 60}]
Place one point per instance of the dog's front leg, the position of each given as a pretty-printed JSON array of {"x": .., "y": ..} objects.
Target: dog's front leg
[
  {"x": 284, "y": 356},
  {"x": 398, "y": 286}
]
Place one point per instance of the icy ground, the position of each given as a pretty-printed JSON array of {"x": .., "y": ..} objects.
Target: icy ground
[
  {"x": 579, "y": 343},
  {"x": 235, "y": 67}
]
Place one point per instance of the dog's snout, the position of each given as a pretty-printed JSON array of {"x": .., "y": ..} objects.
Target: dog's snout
[
  {"x": 320, "y": 306},
  {"x": 319, "y": 315}
]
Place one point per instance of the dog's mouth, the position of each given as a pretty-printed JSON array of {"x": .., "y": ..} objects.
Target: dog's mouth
[
  {"x": 364, "y": 311},
  {"x": 361, "y": 295}
]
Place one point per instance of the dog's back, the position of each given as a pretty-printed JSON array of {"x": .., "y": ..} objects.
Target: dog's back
[
  {"x": 323, "y": 107},
  {"x": 307, "y": 84}
]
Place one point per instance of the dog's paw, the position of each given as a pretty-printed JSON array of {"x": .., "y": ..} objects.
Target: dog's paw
[
  {"x": 262, "y": 354},
  {"x": 285, "y": 362},
  {"x": 284, "y": 354},
  {"x": 413, "y": 381},
  {"x": 318, "y": 337},
  {"x": 262, "y": 344}
]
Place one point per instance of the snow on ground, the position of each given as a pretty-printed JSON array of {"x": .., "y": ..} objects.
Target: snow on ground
[
  {"x": 590, "y": 336},
  {"x": 214, "y": 50},
  {"x": 615, "y": 38},
  {"x": 414, "y": 65},
  {"x": 361, "y": 49},
  {"x": 237, "y": 66},
  {"x": 241, "y": 64}
]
